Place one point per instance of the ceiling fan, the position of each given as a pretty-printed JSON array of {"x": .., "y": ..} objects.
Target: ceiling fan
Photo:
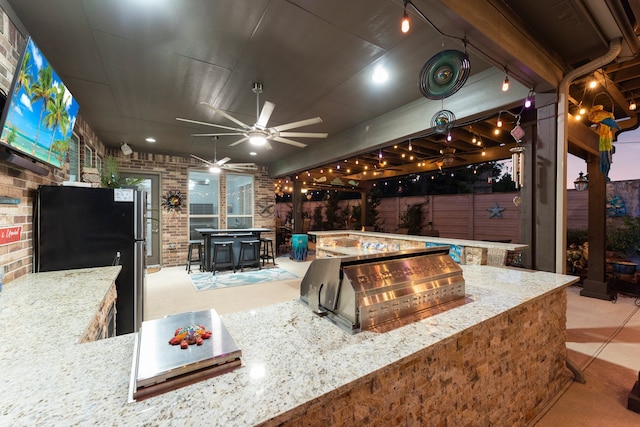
[
  {"x": 259, "y": 134},
  {"x": 216, "y": 165},
  {"x": 447, "y": 157}
]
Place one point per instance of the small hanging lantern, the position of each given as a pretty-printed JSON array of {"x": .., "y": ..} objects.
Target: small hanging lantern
[{"x": 581, "y": 183}]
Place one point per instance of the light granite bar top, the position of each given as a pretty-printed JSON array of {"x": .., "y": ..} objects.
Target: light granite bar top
[
  {"x": 442, "y": 240},
  {"x": 56, "y": 304},
  {"x": 290, "y": 356}
]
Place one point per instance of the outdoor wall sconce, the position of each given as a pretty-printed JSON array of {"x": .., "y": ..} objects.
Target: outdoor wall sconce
[{"x": 581, "y": 183}]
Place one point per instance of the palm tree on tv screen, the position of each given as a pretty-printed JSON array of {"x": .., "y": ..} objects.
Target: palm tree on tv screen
[
  {"x": 24, "y": 81},
  {"x": 42, "y": 90},
  {"x": 57, "y": 116}
]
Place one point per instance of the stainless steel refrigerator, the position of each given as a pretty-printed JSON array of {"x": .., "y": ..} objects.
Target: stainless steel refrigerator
[{"x": 78, "y": 227}]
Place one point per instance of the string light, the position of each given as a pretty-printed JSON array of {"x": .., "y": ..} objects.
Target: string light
[
  {"x": 505, "y": 83},
  {"x": 528, "y": 102},
  {"x": 632, "y": 105},
  {"x": 405, "y": 25}
]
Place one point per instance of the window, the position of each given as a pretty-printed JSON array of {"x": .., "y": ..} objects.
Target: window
[
  {"x": 239, "y": 201},
  {"x": 98, "y": 163},
  {"x": 204, "y": 202},
  {"x": 88, "y": 156},
  {"x": 74, "y": 158}
]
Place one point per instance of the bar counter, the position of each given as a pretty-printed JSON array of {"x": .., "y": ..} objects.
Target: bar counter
[
  {"x": 235, "y": 235},
  {"x": 495, "y": 361},
  {"x": 352, "y": 242}
]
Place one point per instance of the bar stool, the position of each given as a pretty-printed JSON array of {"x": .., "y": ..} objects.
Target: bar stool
[
  {"x": 223, "y": 256},
  {"x": 195, "y": 246},
  {"x": 249, "y": 253},
  {"x": 267, "y": 250}
]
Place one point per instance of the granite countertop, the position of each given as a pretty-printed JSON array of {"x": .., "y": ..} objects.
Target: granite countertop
[
  {"x": 443, "y": 240},
  {"x": 54, "y": 304},
  {"x": 88, "y": 384}
]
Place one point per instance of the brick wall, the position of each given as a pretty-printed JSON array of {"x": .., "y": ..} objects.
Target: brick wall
[
  {"x": 174, "y": 172},
  {"x": 501, "y": 372},
  {"x": 16, "y": 182}
]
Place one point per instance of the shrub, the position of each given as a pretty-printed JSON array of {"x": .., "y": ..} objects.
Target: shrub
[
  {"x": 577, "y": 236},
  {"x": 625, "y": 240}
]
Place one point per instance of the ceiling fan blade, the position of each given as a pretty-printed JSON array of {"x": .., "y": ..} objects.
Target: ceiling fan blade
[
  {"x": 223, "y": 161},
  {"x": 304, "y": 134},
  {"x": 289, "y": 141},
  {"x": 216, "y": 134},
  {"x": 301, "y": 123},
  {"x": 229, "y": 117},
  {"x": 208, "y": 124},
  {"x": 238, "y": 142},
  {"x": 242, "y": 165},
  {"x": 201, "y": 159},
  {"x": 265, "y": 114}
]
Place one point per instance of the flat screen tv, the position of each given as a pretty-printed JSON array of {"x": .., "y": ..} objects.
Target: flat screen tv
[{"x": 40, "y": 112}]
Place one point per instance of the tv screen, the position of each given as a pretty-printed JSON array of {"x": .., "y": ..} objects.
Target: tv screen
[{"x": 40, "y": 112}]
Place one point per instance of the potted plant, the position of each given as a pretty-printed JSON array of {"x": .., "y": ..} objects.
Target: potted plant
[{"x": 110, "y": 175}]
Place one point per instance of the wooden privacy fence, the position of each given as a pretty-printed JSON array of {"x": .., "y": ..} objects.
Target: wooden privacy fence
[
  {"x": 462, "y": 216},
  {"x": 485, "y": 216}
]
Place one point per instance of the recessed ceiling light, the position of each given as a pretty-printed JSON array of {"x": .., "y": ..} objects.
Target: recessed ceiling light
[
  {"x": 380, "y": 75},
  {"x": 150, "y": 139},
  {"x": 253, "y": 153}
]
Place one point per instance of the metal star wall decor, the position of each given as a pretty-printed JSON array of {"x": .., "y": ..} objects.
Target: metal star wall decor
[{"x": 495, "y": 211}]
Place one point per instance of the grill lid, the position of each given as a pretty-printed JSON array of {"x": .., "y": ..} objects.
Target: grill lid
[{"x": 365, "y": 292}]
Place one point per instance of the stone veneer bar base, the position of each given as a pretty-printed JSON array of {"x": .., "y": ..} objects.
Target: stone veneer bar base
[{"x": 502, "y": 371}]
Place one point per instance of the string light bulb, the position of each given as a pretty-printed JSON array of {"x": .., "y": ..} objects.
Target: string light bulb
[
  {"x": 528, "y": 101},
  {"x": 410, "y": 147},
  {"x": 405, "y": 25},
  {"x": 505, "y": 83},
  {"x": 632, "y": 105}
]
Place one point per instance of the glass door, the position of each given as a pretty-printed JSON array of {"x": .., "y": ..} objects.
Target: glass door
[{"x": 151, "y": 185}]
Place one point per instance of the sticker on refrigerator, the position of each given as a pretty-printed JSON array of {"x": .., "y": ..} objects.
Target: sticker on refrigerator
[{"x": 123, "y": 195}]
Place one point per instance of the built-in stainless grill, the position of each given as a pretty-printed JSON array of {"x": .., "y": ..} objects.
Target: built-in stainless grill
[{"x": 369, "y": 292}]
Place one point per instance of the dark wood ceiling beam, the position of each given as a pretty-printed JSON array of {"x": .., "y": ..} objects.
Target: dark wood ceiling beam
[
  {"x": 490, "y": 154},
  {"x": 492, "y": 20}
]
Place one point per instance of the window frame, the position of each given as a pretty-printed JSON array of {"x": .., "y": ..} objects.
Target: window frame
[
  {"x": 216, "y": 214},
  {"x": 245, "y": 202}
]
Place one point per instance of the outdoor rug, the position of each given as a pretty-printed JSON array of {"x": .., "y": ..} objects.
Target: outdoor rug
[{"x": 226, "y": 279}]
